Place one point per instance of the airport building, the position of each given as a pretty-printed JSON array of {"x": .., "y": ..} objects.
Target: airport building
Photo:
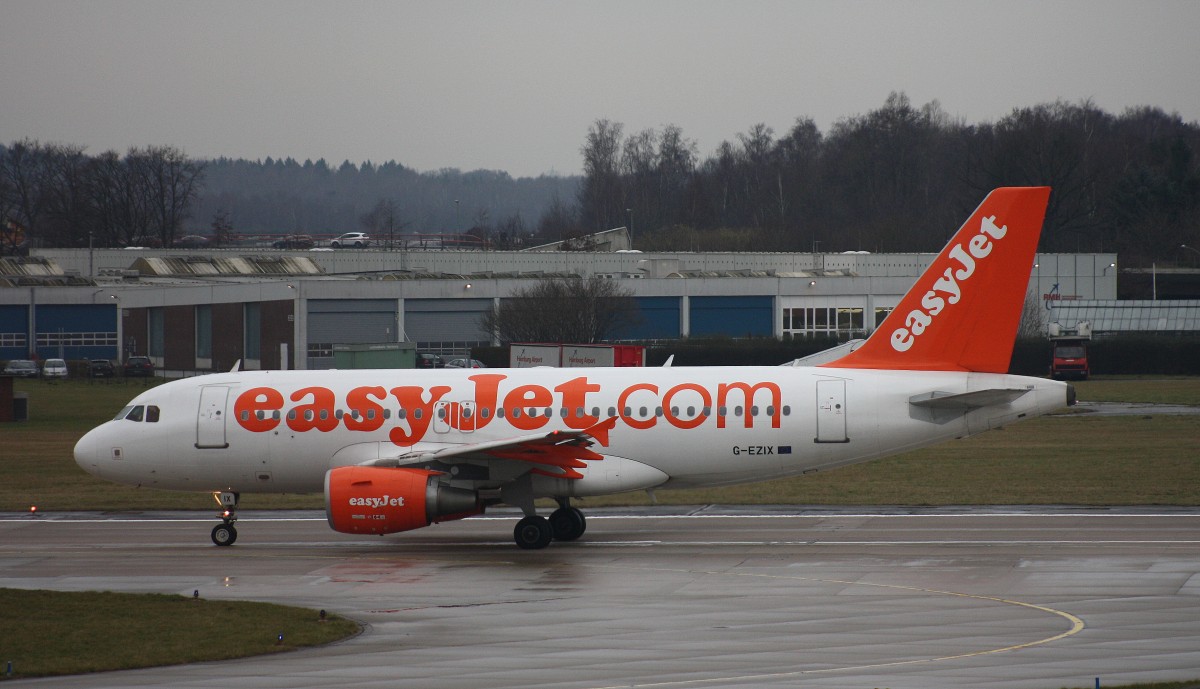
[{"x": 289, "y": 309}]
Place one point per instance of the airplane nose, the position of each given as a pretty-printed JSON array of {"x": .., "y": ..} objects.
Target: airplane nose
[{"x": 86, "y": 451}]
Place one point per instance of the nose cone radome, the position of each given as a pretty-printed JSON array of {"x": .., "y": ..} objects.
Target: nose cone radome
[{"x": 87, "y": 451}]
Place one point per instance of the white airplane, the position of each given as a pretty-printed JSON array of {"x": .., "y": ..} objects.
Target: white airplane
[{"x": 395, "y": 450}]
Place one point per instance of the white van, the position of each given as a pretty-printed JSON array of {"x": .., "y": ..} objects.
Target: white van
[{"x": 54, "y": 368}]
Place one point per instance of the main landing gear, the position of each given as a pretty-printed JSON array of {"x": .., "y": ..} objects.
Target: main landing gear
[
  {"x": 224, "y": 533},
  {"x": 565, "y": 524}
]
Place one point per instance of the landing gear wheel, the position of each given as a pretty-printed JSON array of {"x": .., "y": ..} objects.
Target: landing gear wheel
[
  {"x": 533, "y": 533},
  {"x": 224, "y": 534},
  {"x": 568, "y": 523}
]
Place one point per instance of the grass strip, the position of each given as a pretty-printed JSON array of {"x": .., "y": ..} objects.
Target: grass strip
[{"x": 64, "y": 633}]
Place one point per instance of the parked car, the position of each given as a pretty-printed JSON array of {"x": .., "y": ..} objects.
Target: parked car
[
  {"x": 191, "y": 241},
  {"x": 425, "y": 360},
  {"x": 101, "y": 368},
  {"x": 465, "y": 363},
  {"x": 357, "y": 240},
  {"x": 294, "y": 241},
  {"x": 54, "y": 368},
  {"x": 139, "y": 366},
  {"x": 23, "y": 368}
]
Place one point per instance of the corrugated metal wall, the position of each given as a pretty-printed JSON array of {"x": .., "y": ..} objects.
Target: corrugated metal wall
[
  {"x": 732, "y": 316},
  {"x": 446, "y": 325},
  {"x": 352, "y": 321},
  {"x": 657, "y": 319}
]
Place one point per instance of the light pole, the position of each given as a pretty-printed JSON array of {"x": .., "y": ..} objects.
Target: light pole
[
  {"x": 1189, "y": 248},
  {"x": 630, "y": 212}
]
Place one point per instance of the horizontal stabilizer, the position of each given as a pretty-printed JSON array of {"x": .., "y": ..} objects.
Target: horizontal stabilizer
[{"x": 966, "y": 400}]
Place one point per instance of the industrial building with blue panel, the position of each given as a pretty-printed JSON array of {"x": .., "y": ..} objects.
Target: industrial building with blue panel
[
  {"x": 65, "y": 331},
  {"x": 732, "y": 316}
]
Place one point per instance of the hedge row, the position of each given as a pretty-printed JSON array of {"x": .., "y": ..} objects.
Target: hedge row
[{"x": 1125, "y": 354}]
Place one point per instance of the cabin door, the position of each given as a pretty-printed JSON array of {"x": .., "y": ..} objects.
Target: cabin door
[
  {"x": 831, "y": 412},
  {"x": 210, "y": 422}
]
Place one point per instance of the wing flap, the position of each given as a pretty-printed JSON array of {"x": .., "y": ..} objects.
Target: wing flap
[{"x": 558, "y": 453}]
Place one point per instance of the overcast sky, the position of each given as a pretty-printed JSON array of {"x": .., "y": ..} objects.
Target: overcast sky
[{"x": 514, "y": 86}]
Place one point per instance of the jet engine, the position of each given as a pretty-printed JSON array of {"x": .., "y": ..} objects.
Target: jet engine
[{"x": 374, "y": 500}]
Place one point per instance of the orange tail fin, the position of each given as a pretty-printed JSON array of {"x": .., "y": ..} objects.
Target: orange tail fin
[{"x": 962, "y": 314}]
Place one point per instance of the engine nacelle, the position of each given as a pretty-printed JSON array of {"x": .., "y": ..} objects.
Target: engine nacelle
[{"x": 374, "y": 500}]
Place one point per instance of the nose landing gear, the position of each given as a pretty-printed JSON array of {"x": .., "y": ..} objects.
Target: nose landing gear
[{"x": 224, "y": 533}]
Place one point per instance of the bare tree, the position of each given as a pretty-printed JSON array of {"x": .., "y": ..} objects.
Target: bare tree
[
  {"x": 1034, "y": 317},
  {"x": 23, "y": 166},
  {"x": 563, "y": 310},
  {"x": 222, "y": 228},
  {"x": 170, "y": 183},
  {"x": 601, "y": 196},
  {"x": 68, "y": 203},
  {"x": 383, "y": 219}
]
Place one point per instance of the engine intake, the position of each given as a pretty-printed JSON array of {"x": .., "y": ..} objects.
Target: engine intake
[{"x": 374, "y": 500}]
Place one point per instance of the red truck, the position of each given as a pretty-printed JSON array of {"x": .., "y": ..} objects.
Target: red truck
[{"x": 1069, "y": 359}]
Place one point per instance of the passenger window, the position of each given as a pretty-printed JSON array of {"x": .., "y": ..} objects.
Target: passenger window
[
  {"x": 485, "y": 413},
  {"x": 417, "y": 414},
  {"x": 754, "y": 410},
  {"x": 151, "y": 414},
  {"x": 499, "y": 412},
  {"x": 291, "y": 414},
  {"x": 401, "y": 414},
  {"x": 787, "y": 410},
  {"x": 516, "y": 413}
]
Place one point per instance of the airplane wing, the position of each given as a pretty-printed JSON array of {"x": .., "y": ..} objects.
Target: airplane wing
[{"x": 558, "y": 454}]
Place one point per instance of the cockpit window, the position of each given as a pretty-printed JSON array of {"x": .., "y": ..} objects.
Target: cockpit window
[
  {"x": 151, "y": 414},
  {"x": 122, "y": 414},
  {"x": 136, "y": 414}
]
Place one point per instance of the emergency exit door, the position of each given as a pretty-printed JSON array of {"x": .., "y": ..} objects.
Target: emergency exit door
[{"x": 831, "y": 412}]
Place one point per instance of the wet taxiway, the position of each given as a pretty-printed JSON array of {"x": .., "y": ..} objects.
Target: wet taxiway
[{"x": 671, "y": 597}]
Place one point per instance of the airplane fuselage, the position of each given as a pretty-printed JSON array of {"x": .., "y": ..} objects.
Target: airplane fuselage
[{"x": 281, "y": 431}]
